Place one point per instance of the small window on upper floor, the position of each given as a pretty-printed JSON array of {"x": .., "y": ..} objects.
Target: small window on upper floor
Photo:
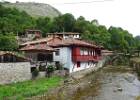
[
  {"x": 81, "y": 51},
  {"x": 57, "y": 52}
]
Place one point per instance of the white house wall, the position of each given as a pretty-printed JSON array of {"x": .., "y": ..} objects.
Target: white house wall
[
  {"x": 64, "y": 56},
  {"x": 83, "y": 65}
]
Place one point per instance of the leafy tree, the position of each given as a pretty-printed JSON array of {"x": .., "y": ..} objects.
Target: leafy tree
[
  {"x": 137, "y": 42},
  {"x": 43, "y": 24},
  {"x": 12, "y": 20},
  {"x": 63, "y": 23},
  {"x": 8, "y": 42},
  {"x": 81, "y": 25}
]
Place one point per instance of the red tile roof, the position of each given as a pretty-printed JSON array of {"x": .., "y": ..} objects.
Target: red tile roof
[
  {"x": 69, "y": 42},
  {"x": 57, "y": 41},
  {"x": 37, "y": 47},
  {"x": 42, "y": 40}
]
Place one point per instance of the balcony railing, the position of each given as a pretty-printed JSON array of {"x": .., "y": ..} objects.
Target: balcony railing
[{"x": 85, "y": 58}]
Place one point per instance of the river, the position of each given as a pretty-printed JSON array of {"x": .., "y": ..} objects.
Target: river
[
  {"x": 119, "y": 86},
  {"x": 109, "y": 83}
]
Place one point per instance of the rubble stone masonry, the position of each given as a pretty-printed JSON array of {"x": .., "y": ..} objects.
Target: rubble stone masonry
[{"x": 14, "y": 72}]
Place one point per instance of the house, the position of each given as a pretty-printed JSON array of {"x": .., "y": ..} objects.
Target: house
[
  {"x": 40, "y": 55},
  {"x": 38, "y": 52},
  {"x": 75, "y": 54},
  {"x": 32, "y": 34},
  {"x": 72, "y": 53},
  {"x": 65, "y": 35},
  {"x": 29, "y": 35},
  {"x": 6, "y": 56}
]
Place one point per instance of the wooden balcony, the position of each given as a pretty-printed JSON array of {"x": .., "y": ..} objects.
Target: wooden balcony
[{"x": 85, "y": 58}]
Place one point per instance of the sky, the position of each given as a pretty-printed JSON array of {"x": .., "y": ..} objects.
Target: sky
[{"x": 118, "y": 13}]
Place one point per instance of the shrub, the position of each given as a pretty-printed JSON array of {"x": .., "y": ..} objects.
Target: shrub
[
  {"x": 35, "y": 73},
  {"x": 50, "y": 68}
]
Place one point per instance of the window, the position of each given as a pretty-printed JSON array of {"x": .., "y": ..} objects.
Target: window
[
  {"x": 81, "y": 51},
  {"x": 57, "y": 52},
  {"x": 85, "y": 52},
  {"x": 41, "y": 57},
  {"x": 78, "y": 64}
]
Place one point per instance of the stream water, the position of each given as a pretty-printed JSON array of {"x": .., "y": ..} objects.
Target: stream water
[
  {"x": 119, "y": 86},
  {"x": 114, "y": 84},
  {"x": 109, "y": 83}
]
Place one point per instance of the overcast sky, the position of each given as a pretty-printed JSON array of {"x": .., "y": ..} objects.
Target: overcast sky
[{"x": 123, "y": 13}]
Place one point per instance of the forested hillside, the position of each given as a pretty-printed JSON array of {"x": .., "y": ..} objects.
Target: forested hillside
[{"x": 13, "y": 22}]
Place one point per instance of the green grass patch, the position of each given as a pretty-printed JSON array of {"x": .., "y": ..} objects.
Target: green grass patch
[{"x": 20, "y": 90}]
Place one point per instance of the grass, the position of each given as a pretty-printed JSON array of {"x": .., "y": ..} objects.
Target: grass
[{"x": 19, "y": 91}]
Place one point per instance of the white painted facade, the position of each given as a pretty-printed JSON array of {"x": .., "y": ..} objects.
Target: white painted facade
[
  {"x": 65, "y": 35},
  {"x": 83, "y": 65},
  {"x": 65, "y": 58},
  {"x": 75, "y": 36}
]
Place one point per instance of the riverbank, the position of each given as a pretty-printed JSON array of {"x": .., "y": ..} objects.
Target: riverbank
[{"x": 109, "y": 83}]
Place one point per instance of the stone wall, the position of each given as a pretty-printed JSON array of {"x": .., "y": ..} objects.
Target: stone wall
[{"x": 14, "y": 72}]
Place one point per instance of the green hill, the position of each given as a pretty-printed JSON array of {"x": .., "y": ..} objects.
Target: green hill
[{"x": 35, "y": 9}]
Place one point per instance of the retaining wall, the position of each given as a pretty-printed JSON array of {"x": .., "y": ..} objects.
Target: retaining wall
[{"x": 14, "y": 72}]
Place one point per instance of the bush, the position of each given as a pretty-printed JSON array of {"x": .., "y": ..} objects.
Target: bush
[
  {"x": 50, "y": 68},
  {"x": 35, "y": 73}
]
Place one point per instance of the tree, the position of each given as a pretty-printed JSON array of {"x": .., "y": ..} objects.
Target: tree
[
  {"x": 43, "y": 24},
  {"x": 95, "y": 22},
  {"x": 8, "y": 42},
  {"x": 12, "y": 20},
  {"x": 63, "y": 23},
  {"x": 121, "y": 40},
  {"x": 81, "y": 25},
  {"x": 137, "y": 42}
]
